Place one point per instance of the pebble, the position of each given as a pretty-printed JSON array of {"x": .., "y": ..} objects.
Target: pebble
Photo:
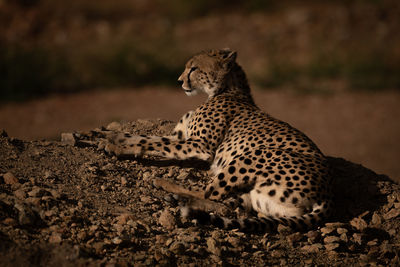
[
  {"x": 167, "y": 220},
  {"x": 359, "y": 223},
  {"x": 234, "y": 241},
  {"x": 283, "y": 229},
  {"x": 146, "y": 176},
  {"x": 393, "y": 213},
  {"x": 10, "y": 221},
  {"x": 9, "y": 178},
  {"x": 25, "y": 215},
  {"x": 68, "y": 138},
  {"x": 55, "y": 194},
  {"x": 182, "y": 175},
  {"x": 327, "y": 230},
  {"x": 55, "y": 238},
  {"x": 334, "y": 224},
  {"x": 37, "y": 192},
  {"x": 177, "y": 247},
  {"x": 114, "y": 126},
  {"x": 331, "y": 246},
  {"x": 20, "y": 193},
  {"x": 357, "y": 237},
  {"x": 117, "y": 240},
  {"x": 295, "y": 237},
  {"x": 344, "y": 238},
  {"x": 213, "y": 246},
  {"x": 313, "y": 236},
  {"x": 98, "y": 246},
  {"x": 331, "y": 239},
  {"x": 313, "y": 248},
  {"x": 124, "y": 218}
]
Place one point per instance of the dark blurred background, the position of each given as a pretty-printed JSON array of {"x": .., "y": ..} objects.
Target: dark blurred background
[
  {"x": 330, "y": 68},
  {"x": 49, "y": 46}
]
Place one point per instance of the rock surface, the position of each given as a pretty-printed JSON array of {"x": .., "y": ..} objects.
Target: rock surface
[{"x": 76, "y": 205}]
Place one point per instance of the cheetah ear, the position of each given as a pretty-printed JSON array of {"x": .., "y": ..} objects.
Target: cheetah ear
[{"x": 229, "y": 59}]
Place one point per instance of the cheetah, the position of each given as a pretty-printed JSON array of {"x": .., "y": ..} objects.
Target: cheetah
[{"x": 258, "y": 164}]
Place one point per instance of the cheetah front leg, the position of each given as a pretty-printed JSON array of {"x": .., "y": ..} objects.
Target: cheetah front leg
[{"x": 166, "y": 147}]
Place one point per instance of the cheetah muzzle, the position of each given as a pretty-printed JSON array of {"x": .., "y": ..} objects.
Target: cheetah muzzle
[{"x": 259, "y": 164}]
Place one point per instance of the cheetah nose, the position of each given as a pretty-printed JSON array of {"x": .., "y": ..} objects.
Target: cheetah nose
[{"x": 180, "y": 82}]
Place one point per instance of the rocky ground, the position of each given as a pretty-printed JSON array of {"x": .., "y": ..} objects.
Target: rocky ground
[{"x": 67, "y": 203}]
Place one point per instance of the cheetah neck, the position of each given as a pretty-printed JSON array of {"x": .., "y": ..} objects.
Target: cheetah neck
[{"x": 236, "y": 85}]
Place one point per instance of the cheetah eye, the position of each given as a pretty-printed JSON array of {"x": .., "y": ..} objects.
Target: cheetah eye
[{"x": 193, "y": 69}]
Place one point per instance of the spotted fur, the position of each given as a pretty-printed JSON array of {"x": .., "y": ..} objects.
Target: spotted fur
[{"x": 264, "y": 164}]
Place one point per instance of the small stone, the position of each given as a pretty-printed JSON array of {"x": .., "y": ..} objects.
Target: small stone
[
  {"x": 331, "y": 239},
  {"x": 55, "y": 194},
  {"x": 393, "y": 213},
  {"x": 392, "y": 232},
  {"x": 117, "y": 240},
  {"x": 9, "y": 178},
  {"x": 37, "y": 192},
  {"x": 119, "y": 228},
  {"x": 213, "y": 246},
  {"x": 327, "y": 230},
  {"x": 372, "y": 243},
  {"x": 334, "y": 224},
  {"x": 55, "y": 238},
  {"x": 98, "y": 246},
  {"x": 331, "y": 246},
  {"x": 359, "y": 223},
  {"x": 10, "y": 221},
  {"x": 234, "y": 241},
  {"x": 313, "y": 236},
  {"x": 68, "y": 138},
  {"x": 146, "y": 176},
  {"x": 387, "y": 249},
  {"x": 313, "y": 248},
  {"x": 26, "y": 216},
  {"x": 308, "y": 261},
  {"x": 182, "y": 175},
  {"x": 81, "y": 235},
  {"x": 363, "y": 258},
  {"x": 177, "y": 248},
  {"x": 93, "y": 228},
  {"x": 357, "y": 238},
  {"x": 343, "y": 237},
  {"x": 123, "y": 181},
  {"x": 49, "y": 175},
  {"x": 169, "y": 241},
  {"x": 278, "y": 253},
  {"x": 124, "y": 218},
  {"x": 161, "y": 239},
  {"x": 20, "y": 194},
  {"x": 373, "y": 252},
  {"x": 295, "y": 237},
  {"x": 114, "y": 126},
  {"x": 283, "y": 229},
  {"x": 34, "y": 200},
  {"x": 341, "y": 230}
]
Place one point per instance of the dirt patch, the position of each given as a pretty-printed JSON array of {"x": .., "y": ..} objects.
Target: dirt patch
[{"x": 69, "y": 205}]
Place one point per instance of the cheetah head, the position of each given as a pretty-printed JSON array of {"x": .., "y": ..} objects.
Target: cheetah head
[{"x": 207, "y": 72}]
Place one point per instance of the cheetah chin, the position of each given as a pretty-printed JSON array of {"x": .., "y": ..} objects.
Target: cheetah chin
[{"x": 191, "y": 92}]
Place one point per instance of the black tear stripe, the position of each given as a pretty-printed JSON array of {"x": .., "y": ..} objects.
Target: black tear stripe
[{"x": 188, "y": 77}]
